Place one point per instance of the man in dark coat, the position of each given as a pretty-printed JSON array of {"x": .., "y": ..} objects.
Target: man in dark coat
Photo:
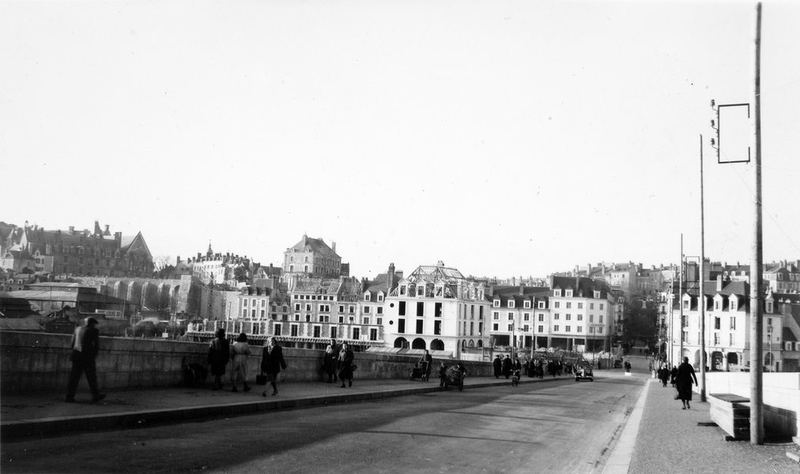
[
  {"x": 219, "y": 352},
  {"x": 507, "y": 367},
  {"x": 271, "y": 363},
  {"x": 498, "y": 367},
  {"x": 85, "y": 346},
  {"x": 683, "y": 382},
  {"x": 332, "y": 360},
  {"x": 345, "y": 365}
]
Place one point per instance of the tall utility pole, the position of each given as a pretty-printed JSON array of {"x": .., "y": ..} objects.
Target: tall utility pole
[
  {"x": 701, "y": 291},
  {"x": 756, "y": 324},
  {"x": 680, "y": 303}
]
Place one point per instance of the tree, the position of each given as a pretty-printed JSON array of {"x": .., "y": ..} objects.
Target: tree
[
  {"x": 641, "y": 325},
  {"x": 162, "y": 267}
]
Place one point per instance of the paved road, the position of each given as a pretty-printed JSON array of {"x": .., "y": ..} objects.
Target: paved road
[{"x": 559, "y": 427}]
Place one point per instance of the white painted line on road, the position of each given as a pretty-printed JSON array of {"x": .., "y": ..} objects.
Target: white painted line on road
[{"x": 620, "y": 459}]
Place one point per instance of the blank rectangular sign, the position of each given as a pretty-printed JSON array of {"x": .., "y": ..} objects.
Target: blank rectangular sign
[{"x": 734, "y": 133}]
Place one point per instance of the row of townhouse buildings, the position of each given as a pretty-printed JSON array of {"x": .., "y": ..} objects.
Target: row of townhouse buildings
[
  {"x": 435, "y": 308},
  {"x": 725, "y": 305}
]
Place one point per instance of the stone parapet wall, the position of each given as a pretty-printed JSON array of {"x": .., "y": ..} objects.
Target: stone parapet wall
[
  {"x": 780, "y": 393},
  {"x": 40, "y": 362}
]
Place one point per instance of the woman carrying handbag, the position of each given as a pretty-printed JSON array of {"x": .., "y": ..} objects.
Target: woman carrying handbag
[{"x": 272, "y": 363}]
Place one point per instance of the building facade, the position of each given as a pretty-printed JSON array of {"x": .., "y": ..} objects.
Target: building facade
[{"x": 312, "y": 257}]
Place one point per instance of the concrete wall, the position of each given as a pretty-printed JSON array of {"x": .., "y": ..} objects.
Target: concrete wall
[
  {"x": 40, "y": 362},
  {"x": 780, "y": 394}
]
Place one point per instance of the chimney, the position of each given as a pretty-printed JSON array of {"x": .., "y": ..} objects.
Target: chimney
[
  {"x": 521, "y": 289},
  {"x": 107, "y": 232},
  {"x": 333, "y": 247},
  {"x": 719, "y": 282},
  {"x": 72, "y": 230},
  {"x": 390, "y": 277},
  {"x": 118, "y": 237},
  {"x": 305, "y": 240},
  {"x": 177, "y": 260}
]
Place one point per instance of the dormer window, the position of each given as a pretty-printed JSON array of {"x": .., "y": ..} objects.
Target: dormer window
[
  {"x": 510, "y": 303},
  {"x": 526, "y": 304},
  {"x": 366, "y": 296},
  {"x": 541, "y": 305},
  {"x": 769, "y": 307},
  {"x": 496, "y": 303},
  {"x": 597, "y": 294},
  {"x": 420, "y": 290},
  {"x": 380, "y": 297},
  {"x": 569, "y": 293},
  {"x": 557, "y": 293}
]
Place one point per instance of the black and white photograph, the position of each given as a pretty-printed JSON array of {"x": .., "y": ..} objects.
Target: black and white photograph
[{"x": 477, "y": 236}]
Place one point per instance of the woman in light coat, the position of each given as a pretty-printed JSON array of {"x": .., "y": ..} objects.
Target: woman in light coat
[{"x": 240, "y": 352}]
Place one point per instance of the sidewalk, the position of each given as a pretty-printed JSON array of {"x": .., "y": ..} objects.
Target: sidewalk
[{"x": 662, "y": 437}]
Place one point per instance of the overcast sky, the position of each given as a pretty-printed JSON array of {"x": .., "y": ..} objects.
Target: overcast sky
[{"x": 504, "y": 138}]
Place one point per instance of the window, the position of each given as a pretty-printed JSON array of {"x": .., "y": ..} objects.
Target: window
[
  {"x": 716, "y": 338},
  {"x": 380, "y": 309},
  {"x": 730, "y": 339},
  {"x": 525, "y": 328},
  {"x": 496, "y": 303},
  {"x": 437, "y": 327},
  {"x": 420, "y": 290},
  {"x": 526, "y": 316},
  {"x": 569, "y": 304},
  {"x": 373, "y": 334},
  {"x": 580, "y": 328},
  {"x": 495, "y": 315},
  {"x": 569, "y": 317},
  {"x": 580, "y": 317},
  {"x": 600, "y": 319},
  {"x": 568, "y": 328},
  {"x": 366, "y": 296},
  {"x": 334, "y": 332},
  {"x": 510, "y": 303},
  {"x": 555, "y": 328},
  {"x": 510, "y": 316},
  {"x": 541, "y": 317},
  {"x": 245, "y": 303},
  {"x": 716, "y": 324},
  {"x": 526, "y": 304},
  {"x": 401, "y": 308},
  {"x": 297, "y": 306},
  {"x": 541, "y": 305},
  {"x": 540, "y": 329},
  {"x": 685, "y": 304},
  {"x": 317, "y": 331},
  {"x": 556, "y": 316},
  {"x": 600, "y": 330},
  {"x": 580, "y": 305},
  {"x": 420, "y": 308},
  {"x": 591, "y": 305},
  {"x": 366, "y": 310},
  {"x": 494, "y": 327},
  {"x": 557, "y": 293},
  {"x": 569, "y": 293},
  {"x": 601, "y": 306},
  {"x": 356, "y": 333},
  {"x": 557, "y": 304},
  {"x": 733, "y": 323},
  {"x": 277, "y": 330},
  {"x": 380, "y": 297},
  {"x": 437, "y": 310},
  {"x": 401, "y": 325}
]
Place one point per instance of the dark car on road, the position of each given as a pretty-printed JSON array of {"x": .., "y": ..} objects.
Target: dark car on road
[{"x": 584, "y": 371}]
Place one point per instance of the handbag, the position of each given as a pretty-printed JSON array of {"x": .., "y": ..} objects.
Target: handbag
[{"x": 261, "y": 379}]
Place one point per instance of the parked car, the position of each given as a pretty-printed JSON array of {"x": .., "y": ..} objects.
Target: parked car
[{"x": 584, "y": 371}]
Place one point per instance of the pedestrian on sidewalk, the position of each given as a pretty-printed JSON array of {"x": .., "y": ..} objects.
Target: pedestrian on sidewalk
[
  {"x": 240, "y": 353},
  {"x": 663, "y": 375},
  {"x": 426, "y": 364},
  {"x": 271, "y": 363},
  {"x": 498, "y": 366},
  {"x": 507, "y": 367},
  {"x": 683, "y": 382},
  {"x": 332, "y": 360},
  {"x": 85, "y": 346},
  {"x": 442, "y": 374},
  {"x": 673, "y": 374},
  {"x": 219, "y": 353},
  {"x": 345, "y": 365}
]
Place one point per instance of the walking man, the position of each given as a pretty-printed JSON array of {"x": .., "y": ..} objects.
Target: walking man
[
  {"x": 85, "y": 346},
  {"x": 683, "y": 382}
]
